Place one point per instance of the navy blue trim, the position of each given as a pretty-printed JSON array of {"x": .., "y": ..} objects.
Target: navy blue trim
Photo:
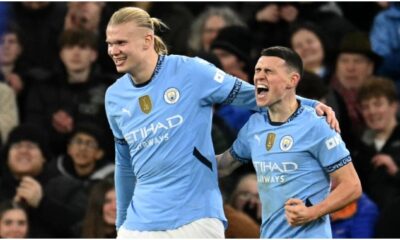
[
  {"x": 234, "y": 92},
  {"x": 296, "y": 113},
  {"x": 342, "y": 162},
  {"x": 202, "y": 159},
  {"x": 160, "y": 60},
  {"x": 236, "y": 157},
  {"x": 120, "y": 141}
]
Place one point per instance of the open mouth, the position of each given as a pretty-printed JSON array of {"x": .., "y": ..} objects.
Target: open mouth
[{"x": 261, "y": 89}]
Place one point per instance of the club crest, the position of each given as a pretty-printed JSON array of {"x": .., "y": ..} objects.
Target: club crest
[
  {"x": 286, "y": 143},
  {"x": 270, "y": 141},
  {"x": 145, "y": 104},
  {"x": 171, "y": 95}
]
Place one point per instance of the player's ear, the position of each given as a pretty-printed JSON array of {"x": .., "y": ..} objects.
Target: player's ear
[
  {"x": 293, "y": 80},
  {"x": 148, "y": 40}
]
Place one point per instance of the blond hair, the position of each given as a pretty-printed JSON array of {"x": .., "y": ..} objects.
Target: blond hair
[{"x": 142, "y": 19}]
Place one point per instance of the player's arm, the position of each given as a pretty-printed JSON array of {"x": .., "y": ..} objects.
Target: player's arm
[
  {"x": 348, "y": 189},
  {"x": 124, "y": 180},
  {"x": 226, "y": 163}
]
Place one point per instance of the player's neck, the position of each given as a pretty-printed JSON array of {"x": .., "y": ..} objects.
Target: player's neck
[
  {"x": 146, "y": 68},
  {"x": 280, "y": 112}
]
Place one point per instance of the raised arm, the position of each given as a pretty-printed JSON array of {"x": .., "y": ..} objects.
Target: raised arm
[{"x": 226, "y": 163}]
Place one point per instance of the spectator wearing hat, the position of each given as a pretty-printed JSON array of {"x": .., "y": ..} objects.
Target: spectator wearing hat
[
  {"x": 79, "y": 169},
  {"x": 355, "y": 62},
  {"x": 25, "y": 177},
  {"x": 385, "y": 41},
  {"x": 233, "y": 49}
]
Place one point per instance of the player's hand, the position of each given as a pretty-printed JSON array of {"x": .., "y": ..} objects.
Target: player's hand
[
  {"x": 297, "y": 213},
  {"x": 322, "y": 110}
]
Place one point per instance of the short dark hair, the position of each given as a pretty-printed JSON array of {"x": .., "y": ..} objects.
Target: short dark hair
[
  {"x": 291, "y": 58},
  {"x": 376, "y": 86},
  {"x": 78, "y": 37}
]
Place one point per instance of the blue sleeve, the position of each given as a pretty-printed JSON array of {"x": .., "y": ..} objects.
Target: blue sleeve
[
  {"x": 329, "y": 147},
  {"x": 215, "y": 86},
  {"x": 308, "y": 102},
  {"x": 124, "y": 180},
  {"x": 240, "y": 149},
  {"x": 124, "y": 177}
]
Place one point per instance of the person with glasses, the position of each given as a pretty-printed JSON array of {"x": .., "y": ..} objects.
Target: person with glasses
[{"x": 83, "y": 165}]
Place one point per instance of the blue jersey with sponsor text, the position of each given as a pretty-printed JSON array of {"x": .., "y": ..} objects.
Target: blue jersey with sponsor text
[
  {"x": 292, "y": 160},
  {"x": 163, "y": 142}
]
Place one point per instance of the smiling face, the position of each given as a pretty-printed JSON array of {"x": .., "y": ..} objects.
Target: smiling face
[
  {"x": 84, "y": 150},
  {"x": 378, "y": 113},
  {"x": 272, "y": 80},
  {"x": 309, "y": 47},
  {"x": 126, "y": 46},
  {"x": 25, "y": 158},
  {"x": 14, "y": 224}
]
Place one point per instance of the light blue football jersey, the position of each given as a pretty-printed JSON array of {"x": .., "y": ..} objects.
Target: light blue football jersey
[
  {"x": 163, "y": 142},
  {"x": 292, "y": 160}
]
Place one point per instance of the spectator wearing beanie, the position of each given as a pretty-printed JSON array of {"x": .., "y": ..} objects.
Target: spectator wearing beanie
[
  {"x": 25, "y": 177},
  {"x": 233, "y": 49}
]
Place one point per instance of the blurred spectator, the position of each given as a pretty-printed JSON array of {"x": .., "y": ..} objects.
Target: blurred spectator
[
  {"x": 388, "y": 224},
  {"x": 41, "y": 24},
  {"x": 329, "y": 17},
  {"x": 91, "y": 16},
  {"x": 380, "y": 153},
  {"x": 269, "y": 23},
  {"x": 85, "y": 158},
  {"x": 206, "y": 26},
  {"x": 368, "y": 9},
  {"x": 232, "y": 47},
  {"x": 24, "y": 178},
  {"x": 79, "y": 170},
  {"x": 12, "y": 69},
  {"x": 314, "y": 49},
  {"x": 312, "y": 86},
  {"x": 14, "y": 221},
  {"x": 99, "y": 221},
  {"x": 355, "y": 62},
  {"x": 385, "y": 41},
  {"x": 245, "y": 197},
  {"x": 73, "y": 94},
  {"x": 356, "y": 220},
  {"x": 8, "y": 112}
]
